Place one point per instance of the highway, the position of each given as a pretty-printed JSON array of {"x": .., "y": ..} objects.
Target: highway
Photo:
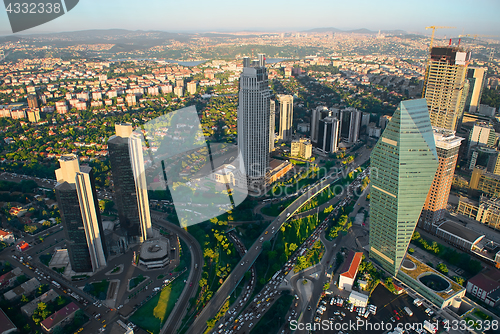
[
  {"x": 225, "y": 290},
  {"x": 181, "y": 306}
]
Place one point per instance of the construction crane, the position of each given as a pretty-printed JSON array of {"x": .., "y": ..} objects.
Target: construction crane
[
  {"x": 434, "y": 30},
  {"x": 430, "y": 49}
]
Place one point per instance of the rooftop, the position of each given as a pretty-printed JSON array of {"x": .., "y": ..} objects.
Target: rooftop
[
  {"x": 5, "y": 323},
  {"x": 154, "y": 249},
  {"x": 350, "y": 267},
  {"x": 422, "y": 268},
  {"x": 488, "y": 281},
  {"x": 460, "y": 231},
  {"x": 60, "y": 315}
]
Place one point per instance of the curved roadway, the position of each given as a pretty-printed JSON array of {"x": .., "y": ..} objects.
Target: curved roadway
[
  {"x": 247, "y": 261},
  {"x": 181, "y": 306}
]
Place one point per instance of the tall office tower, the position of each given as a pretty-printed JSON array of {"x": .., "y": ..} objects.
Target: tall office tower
[
  {"x": 345, "y": 121},
  {"x": 253, "y": 121},
  {"x": 477, "y": 79},
  {"x": 446, "y": 86},
  {"x": 286, "y": 117},
  {"x": 482, "y": 134},
  {"x": 447, "y": 147},
  {"x": 403, "y": 164},
  {"x": 365, "y": 121},
  {"x": 354, "y": 126},
  {"x": 328, "y": 134},
  {"x": 129, "y": 181},
  {"x": 32, "y": 101},
  {"x": 272, "y": 124},
  {"x": 315, "y": 118},
  {"x": 80, "y": 215}
]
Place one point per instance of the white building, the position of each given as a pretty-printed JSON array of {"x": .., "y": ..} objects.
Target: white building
[
  {"x": 358, "y": 299},
  {"x": 349, "y": 270}
]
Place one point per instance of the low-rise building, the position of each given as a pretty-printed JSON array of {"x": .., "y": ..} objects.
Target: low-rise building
[
  {"x": 9, "y": 278},
  {"x": 6, "y": 325},
  {"x": 301, "y": 148},
  {"x": 486, "y": 211},
  {"x": 7, "y": 237},
  {"x": 486, "y": 287},
  {"x": 358, "y": 299},
  {"x": 23, "y": 289},
  {"x": 485, "y": 181},
  {"x": 119, "y": 327},
  {"x": 277, "y": 170},
  {"x": 155, "y": 253},
  {"x": 22, "y": 246},
  {"x": 48, "y": 296},
  {"x": 58, "y": 318},
  {"x": 349, "y": 270}
]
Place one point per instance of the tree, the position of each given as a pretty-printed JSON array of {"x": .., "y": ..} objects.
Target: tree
[
  {"x": 415, "y": 236},
  {"x": 442, "y": 268},
  {"x": 326, "y": 286},
  {"x": 24, "y": 299},
  {"x": 459, "y": 280}
]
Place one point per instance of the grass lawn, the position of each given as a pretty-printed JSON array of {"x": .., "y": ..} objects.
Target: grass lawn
[{"x": 152, "y": 315}]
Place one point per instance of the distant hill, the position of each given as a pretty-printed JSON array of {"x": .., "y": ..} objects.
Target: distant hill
[
  {"x": 323, "y": 30},
  {"x": 357, "y": 31}
]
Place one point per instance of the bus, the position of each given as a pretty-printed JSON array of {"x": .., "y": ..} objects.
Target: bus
[{"x": 57, "y": 285}]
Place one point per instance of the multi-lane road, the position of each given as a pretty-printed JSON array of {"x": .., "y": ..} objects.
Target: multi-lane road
[
  {"x": 180, "y": 308},
  {"x": 225, "y": 290}
]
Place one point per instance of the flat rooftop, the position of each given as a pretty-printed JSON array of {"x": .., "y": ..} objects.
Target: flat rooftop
[
  {"x": 421, "y": 268},
  {"x": 154, "y": 249},
  {"x": 460, "y": 231}
]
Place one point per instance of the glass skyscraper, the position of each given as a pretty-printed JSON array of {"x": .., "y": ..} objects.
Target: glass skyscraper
[
  {"x": 80, "y": 215},
  {"x": 127, "y": 168},
  {"x": 403, "y": 164},
  {"x": 254, "y": 110}
]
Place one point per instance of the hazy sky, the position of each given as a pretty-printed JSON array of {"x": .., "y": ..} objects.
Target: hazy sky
[{"x": 470, "y": 17}]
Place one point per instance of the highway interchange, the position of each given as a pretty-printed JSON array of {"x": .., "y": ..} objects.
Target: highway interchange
[
  {"x": 199, "y": 324},
  {"x": 218, "y": 299}
]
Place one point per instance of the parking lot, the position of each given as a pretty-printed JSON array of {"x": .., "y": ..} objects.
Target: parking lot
[{"x": 390, "y": 312}]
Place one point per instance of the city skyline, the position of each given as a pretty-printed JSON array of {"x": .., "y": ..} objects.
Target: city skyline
[
  {"x": 467, "y": 17},
  {"x": 151, "y": 204}
]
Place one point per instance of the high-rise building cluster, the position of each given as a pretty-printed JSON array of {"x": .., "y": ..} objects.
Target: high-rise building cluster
[
  {"x": 414, "y": 161},
  {"x": 330, "y": 126},
  {"x": 79, "y": 205}
]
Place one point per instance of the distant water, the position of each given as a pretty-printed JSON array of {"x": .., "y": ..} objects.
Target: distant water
[{"x": 180, "y": 62}]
